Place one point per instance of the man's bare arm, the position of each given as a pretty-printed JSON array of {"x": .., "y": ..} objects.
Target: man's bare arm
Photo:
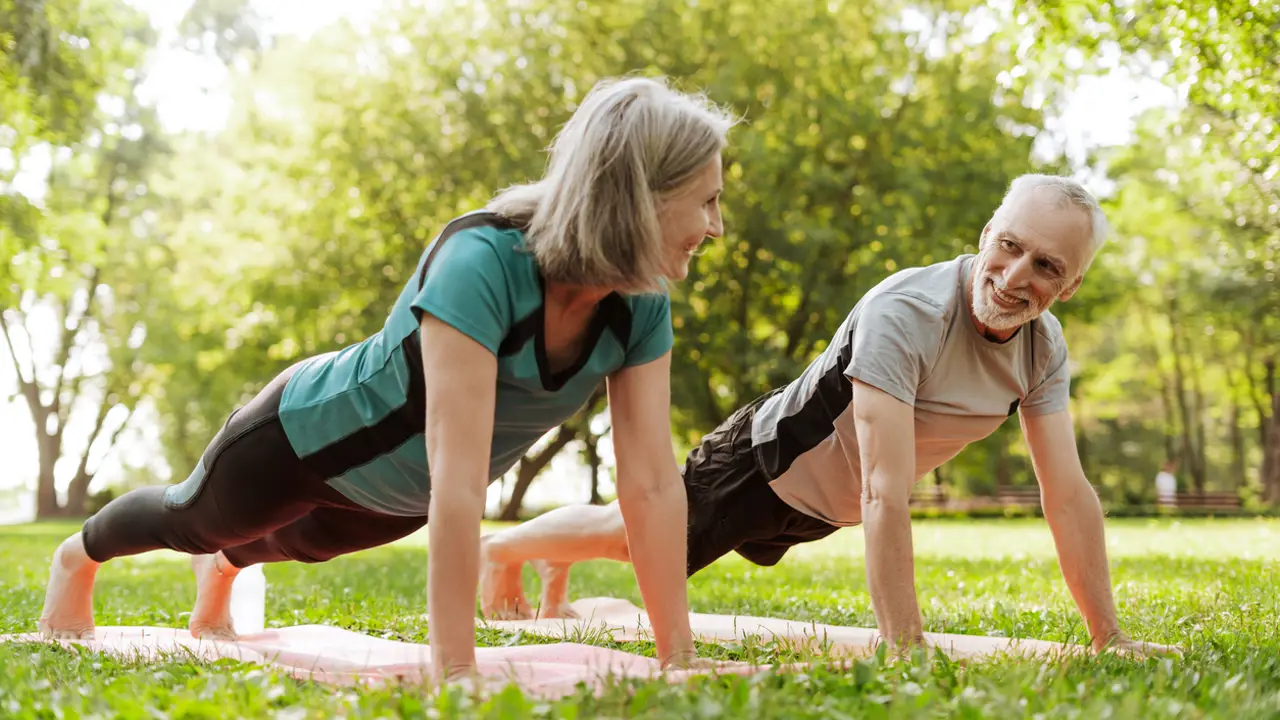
[
  {"x": 1075, "y": 518},
  {"x": 885, "y": 429}
]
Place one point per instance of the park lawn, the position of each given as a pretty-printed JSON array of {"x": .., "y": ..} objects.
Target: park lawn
[{"x": 1208, "y": 585}]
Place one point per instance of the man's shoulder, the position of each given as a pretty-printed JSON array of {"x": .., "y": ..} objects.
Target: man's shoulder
[
  {"x": 1049, "y": 334},
  {"x": 928, "y": 291}
]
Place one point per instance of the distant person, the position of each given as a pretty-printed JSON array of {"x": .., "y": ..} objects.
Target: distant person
[
  {"x": 1167, "y": 485},
  {"x": 930, "y": 360},
  {"x": 513, "y": 316}
]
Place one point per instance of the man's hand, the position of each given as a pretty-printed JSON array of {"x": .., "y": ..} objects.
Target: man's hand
[
  {"x": 1122, "y": 645},
  {"x": 903, "y": 648},
  {"x": 885, "y": 429},
  {"x": 1075, "y": 518}
]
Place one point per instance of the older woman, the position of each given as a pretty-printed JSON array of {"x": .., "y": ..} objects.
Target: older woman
[{"x": 513, "y": 316}]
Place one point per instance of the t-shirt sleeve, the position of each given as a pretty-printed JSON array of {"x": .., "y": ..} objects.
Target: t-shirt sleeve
[
  {"x": 895, "y": 341},
  {"x": 651, "y": 333},
  {"x": 1053, "y": 394},
  {"x": 466, "y": 288}
]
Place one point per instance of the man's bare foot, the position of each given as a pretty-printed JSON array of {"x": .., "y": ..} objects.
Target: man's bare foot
[
  {"x": 555, "y": 590},
  {"x": 501, "y": 587},
  {"x": 211, "y": 617},
  {"x": 68, "y": 599}
]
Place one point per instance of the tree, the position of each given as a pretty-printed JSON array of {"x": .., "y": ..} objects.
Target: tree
[
  {"x": 1213, "y": 162},
  {"x": 354, "y": 149},
  {"x": 70, "y": 251}
]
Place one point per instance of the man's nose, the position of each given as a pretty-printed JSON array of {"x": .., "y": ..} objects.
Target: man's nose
[{"x": 1018, "y": 272}]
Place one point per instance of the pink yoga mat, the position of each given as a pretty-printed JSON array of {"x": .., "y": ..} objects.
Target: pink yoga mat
[
  {"x": 333, "y": 655},
  {"x": 622, "y": 620}
]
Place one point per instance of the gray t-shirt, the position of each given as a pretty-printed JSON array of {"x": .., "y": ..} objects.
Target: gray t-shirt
[{"x": 912, "y": 337}]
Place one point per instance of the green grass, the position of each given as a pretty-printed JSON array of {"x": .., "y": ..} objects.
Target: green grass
[{"x": 1208, "y": 585}]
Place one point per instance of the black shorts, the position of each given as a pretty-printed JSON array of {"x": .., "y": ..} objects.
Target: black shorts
[
  {"x": 731, "y": 506},
  {"x": 250, "y": 496}
]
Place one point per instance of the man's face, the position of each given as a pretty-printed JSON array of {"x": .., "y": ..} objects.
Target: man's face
[{"x": 1028, "y": 259}]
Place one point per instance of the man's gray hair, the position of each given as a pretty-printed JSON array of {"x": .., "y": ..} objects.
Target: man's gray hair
[
  {"x": 593, "y": 217},
  {"x": 1068, "y": 192}
]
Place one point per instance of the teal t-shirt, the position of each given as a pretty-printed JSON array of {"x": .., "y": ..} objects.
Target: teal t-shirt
[{"x": 357, "y": 416}]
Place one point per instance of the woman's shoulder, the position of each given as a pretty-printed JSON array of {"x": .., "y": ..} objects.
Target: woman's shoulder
[
  {"x": 648, "y": 310},
  {"x": 485, "y": 228}
]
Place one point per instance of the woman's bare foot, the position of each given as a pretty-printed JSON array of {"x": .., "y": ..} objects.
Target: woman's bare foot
[
  {"x": 211, "y": 617},
  {"x": 68, "y": 599},
  {"x": 555, "y": 590},
  {"x": 501, "y": 588}
]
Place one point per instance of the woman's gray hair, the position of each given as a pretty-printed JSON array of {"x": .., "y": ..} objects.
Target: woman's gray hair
[
  {"x": 593, "y": 217},
  {"x": 1069, "y": 192}
]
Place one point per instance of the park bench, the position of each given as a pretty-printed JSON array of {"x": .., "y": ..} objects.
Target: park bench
[
  {"x": 928, "y": 496},
  {"x": 1203, "y": 501},
  {"x": 1018, "y": 496}
]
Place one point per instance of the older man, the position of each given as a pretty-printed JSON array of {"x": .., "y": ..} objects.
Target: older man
[{"x": 930, "y": 360}]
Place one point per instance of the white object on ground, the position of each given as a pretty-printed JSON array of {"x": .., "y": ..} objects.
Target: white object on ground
[{"x": 249, "y": 601}]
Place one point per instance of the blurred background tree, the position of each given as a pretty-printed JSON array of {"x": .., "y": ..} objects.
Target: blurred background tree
[{"x": 193, "y": 266}]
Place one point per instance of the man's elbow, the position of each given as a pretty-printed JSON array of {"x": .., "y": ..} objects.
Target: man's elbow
[
  {"x": 1077, "y": 496},
  {"x": 877, "y": 500}
]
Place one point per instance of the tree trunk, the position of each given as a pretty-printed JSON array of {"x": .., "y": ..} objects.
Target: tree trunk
[
  {"x": 1184, "y": 408},
  {"x": 1170, "y": 420},
  {"x": 1271, "y": 444},
  {"x": 529, "y": 468},
  {"x": 46, "y": 490},
  {"x": 46, "y": 493},
  {"x": 1166, "y": 393},
  {"x": 593, "y": 464},
  {"x": 1237, "y": 449},
  {"x": 1201, "y": 471}
]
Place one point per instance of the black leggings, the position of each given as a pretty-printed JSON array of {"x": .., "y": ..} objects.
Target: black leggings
[{"x": 250, "y": 496}]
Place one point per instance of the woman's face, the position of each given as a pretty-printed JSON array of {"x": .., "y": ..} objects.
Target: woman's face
[{"x": 689, "y": 215}]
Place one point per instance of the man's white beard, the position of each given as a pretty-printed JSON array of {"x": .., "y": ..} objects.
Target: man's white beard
[{"x": 994, "y": 316}]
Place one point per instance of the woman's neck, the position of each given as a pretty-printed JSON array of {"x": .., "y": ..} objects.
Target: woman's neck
[{"x": 572, "y": 299}]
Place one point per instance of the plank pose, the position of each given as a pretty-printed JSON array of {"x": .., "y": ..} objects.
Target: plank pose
[
  {"x": 511, "y": 319},
  {"x": 930, "y": 360}
]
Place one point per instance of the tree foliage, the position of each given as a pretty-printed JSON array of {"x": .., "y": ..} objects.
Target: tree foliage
[{"x": 873, "y": 137}]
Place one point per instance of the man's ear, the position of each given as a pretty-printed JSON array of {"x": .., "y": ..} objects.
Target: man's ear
[
  {"x": 1065, "y": 295},
  {"x": 982, "y": 239}
]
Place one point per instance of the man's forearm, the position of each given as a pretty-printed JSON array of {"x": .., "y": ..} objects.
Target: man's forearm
[
  {"x": 891, "y": 570},
  {"x": 656, "y": 536},
  {"x": 1075, "y": 519}
]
